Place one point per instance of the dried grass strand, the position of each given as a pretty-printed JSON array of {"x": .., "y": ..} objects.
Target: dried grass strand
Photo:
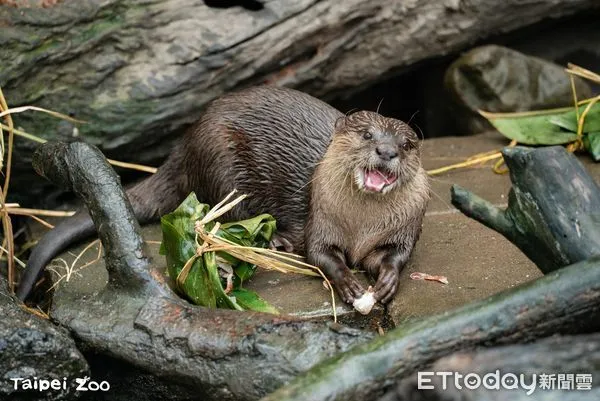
[
  {"x": 6, "y": 222},
  {"x": 41, "y": 221},
  {"x": 130, "y": 166},
  {"x": 582, "y": 72},
  {"x": 19, "y": 261},
  {"x": 35, "y": 311},
  {"x": 470, "y": 162},
  {"x": 6, "y": 111},
  {"x": 264, "y": 258},
  {"x": 39, "y": 212}
]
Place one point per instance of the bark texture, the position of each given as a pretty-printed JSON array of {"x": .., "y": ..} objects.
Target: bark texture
[{"x": 140, "y": 71}]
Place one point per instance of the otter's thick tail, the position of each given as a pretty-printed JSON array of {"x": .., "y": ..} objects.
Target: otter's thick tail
[
  {"x": 68, "y": 231},
  {"x": 151, "y": 198}
]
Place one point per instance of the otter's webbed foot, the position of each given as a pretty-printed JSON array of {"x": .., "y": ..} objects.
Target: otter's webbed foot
[{"x": 279, "y": 243}]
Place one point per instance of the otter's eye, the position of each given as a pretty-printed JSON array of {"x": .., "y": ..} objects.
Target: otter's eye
[
  {"x": 367, "y": 135},
  {"x": 406, "y": 146}
]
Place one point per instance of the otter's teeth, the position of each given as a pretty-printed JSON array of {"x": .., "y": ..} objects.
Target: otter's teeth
[{"x": 359, "y": 178}]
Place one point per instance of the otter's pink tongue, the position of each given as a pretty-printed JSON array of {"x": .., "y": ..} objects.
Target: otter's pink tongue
[{"x": 375, "y": 180}]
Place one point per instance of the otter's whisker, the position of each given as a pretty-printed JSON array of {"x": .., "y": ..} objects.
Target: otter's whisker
[
  {"x": 441, "y": 199},
  {"x": 379, "y": 105},
  {"x": 421, "y": 131},
  {"x": 411, "y": 117}
]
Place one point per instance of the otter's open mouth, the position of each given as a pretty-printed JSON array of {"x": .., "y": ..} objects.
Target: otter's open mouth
[{"x": 375, "y": 180}]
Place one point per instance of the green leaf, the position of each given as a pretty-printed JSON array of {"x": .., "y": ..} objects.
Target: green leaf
[
  {"x": 256, "y": 232},
  {"x": 568, "y": 120},
  {"x": 222, "y": 299},
  {"x": 179, "y": 246},
  {"x": 257, "y": 229},
  {"x": 592, "y": 144},
  {"x": 244, "y": 271},
  {"x": 252, "y": 301},
  {"x": 204, "y": 285},
  {"x": 530, "y": 128}
]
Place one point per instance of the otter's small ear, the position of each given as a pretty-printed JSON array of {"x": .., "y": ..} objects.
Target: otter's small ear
[{"x": 340, "y": 123}]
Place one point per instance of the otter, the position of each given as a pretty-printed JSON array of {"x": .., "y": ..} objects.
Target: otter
[{"x": 346, "y": 190}]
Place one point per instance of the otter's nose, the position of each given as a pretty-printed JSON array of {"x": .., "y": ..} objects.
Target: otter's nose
[{"x": 386, "y": 152}]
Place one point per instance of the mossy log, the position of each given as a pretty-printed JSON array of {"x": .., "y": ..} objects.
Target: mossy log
[
  {"x": 565, "y": 360},
  {"x": 553, "y": 212},
  {"x": 140, "y": 72},
  {"x": 565, "y": 301}
]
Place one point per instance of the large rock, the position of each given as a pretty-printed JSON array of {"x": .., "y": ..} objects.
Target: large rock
[
  {"x": 498, "y": 79},
  {"x": 140, "y": 74},
  {"x": 33, "y": 347}
]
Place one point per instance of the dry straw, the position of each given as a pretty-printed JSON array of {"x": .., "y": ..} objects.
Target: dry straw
[
  {"x": 8, "y": 244},
  {"x": 573, "y": 70},
  {"x": 265, "y": 258},
  {"x": 209, "y": 241},
  {"x": 6, "y": 209}
]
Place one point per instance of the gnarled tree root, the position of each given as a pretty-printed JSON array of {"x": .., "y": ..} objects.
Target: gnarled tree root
[
  {"x": 553, "y": 212},
  {"x": 225, "y": 355}
]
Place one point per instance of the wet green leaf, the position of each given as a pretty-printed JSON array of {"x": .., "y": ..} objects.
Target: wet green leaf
[
  {"x": 258, "y": 229},
  {"x": 256, "y": 232},
  {"x": 530, "y": 129},
  {"x": 244, "y": 271},
  {"x": 252, "y": 301},
  {"x": 568, "y": 120},
  {"x": 545, "y": 127},
  {"x": 204, "y": 285},
  {"x": 223, "y": 300},
  {"x": 592, "y": 144}
]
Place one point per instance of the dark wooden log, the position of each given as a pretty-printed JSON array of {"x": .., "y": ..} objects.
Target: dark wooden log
[
  {"x": 553, "y": 212},
  {"x": 138, "y": 73},
  {"x": 565, "y": 301},
  {"x": 83, "y": 169},
  {"x": 571, "y": 363}
]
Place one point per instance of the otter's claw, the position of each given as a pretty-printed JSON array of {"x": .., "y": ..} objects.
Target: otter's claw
[
  {"x": 348, "y": 287},
  {"x": 279, "y": 242},
  {"x": 387, "y": 284}
]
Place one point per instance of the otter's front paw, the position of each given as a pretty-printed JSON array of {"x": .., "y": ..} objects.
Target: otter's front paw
[
  {"x": 347, "y": 286},
  {"x": 387, "y": 284}
]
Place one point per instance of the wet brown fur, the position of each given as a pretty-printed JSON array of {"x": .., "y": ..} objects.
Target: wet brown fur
[
  {"x": 362, "y": 226},
  {"x": 266, "y": 142}
]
